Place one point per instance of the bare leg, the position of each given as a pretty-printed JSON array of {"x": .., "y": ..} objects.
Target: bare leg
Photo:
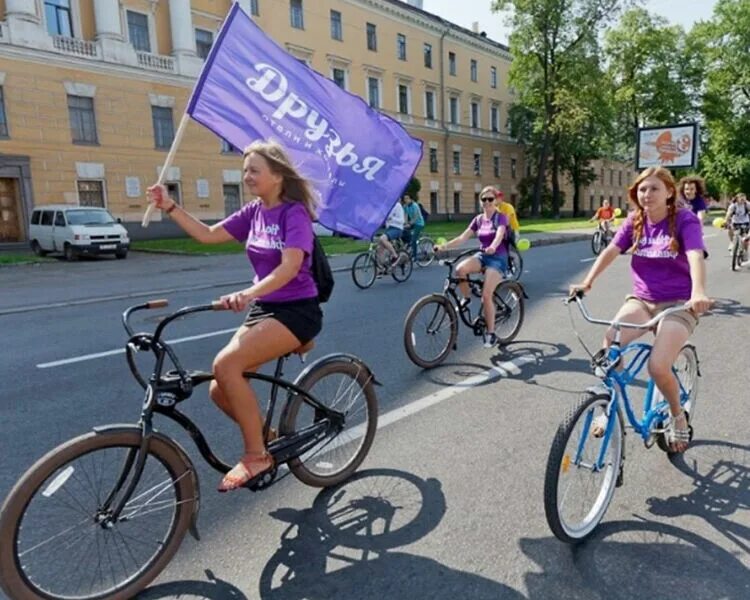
[
  {"x": 388, "y": 246},
  {"x": 492, "y": 279},
  {"x": 464, "y": 269}
]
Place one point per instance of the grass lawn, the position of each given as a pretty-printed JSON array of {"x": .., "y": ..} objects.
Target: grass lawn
[{"x": 19, "y": 259}]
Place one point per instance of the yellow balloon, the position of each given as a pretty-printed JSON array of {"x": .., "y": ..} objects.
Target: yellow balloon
[
  {"x": 440, "y": 241},
  {"x": 618, "y": 221},
  {"x": 618, "y": 212},
  {"x": 719, "y": 222},
  {"x": 523, "y": 244}
]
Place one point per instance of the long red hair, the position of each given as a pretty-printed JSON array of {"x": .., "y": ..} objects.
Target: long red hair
[{"x": 669, "y": 182}]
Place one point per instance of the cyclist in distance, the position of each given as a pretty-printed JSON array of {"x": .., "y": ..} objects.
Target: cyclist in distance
[
  {"x": 604, "y": 215},
  {"x": 507, "y": 209},
  {"x": 667, "y": 269},
  {"x": 284, "y": 314},
  {"x": 738, "y": 213},
  {"x": 414, "y": 223},
  {"x": 490, "y": 227},
  {"x": 692, "y": 193},
  {"x": 394, "y": 229}
]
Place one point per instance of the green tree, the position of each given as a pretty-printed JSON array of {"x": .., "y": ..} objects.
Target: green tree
[{"x": 413, "y": 188}]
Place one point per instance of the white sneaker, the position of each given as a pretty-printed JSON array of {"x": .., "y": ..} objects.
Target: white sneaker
[{"x": 490, "y": 341}]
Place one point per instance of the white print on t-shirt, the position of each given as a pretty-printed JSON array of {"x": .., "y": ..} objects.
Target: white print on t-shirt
[{"x": 661, "y": 250}]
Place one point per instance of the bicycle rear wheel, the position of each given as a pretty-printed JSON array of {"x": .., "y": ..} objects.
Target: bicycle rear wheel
[
  {"x": 364, "y": 270},
  {"x": 425, "y": 251},
  {"x": 347, "y": 387},
  {"x": 55, "y": 537},
  {"x": 576, "y": 494},
  {"x": 401, "y": 271},
  {"x": 509, "y": 311},
  {"x": 515, "y": 264},
  {"x": 430, "y": 331}
]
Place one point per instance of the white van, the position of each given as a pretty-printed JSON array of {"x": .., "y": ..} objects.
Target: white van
[{"x": 76, "y": 230}]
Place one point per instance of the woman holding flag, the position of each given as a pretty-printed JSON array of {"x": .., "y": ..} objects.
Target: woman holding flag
[{"x": 284, "y": 316}]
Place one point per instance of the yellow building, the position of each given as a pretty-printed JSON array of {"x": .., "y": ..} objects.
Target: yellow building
[{"x": 91, "y": 92}]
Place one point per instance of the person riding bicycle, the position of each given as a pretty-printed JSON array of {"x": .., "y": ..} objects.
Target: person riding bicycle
[
  {"x": 738, "y": 214},
  {"x": 667, "y": 269},
  {"x": 604, "y": 215},
  {"x": 491, "y": 228},
  {"x": 692, "y": 193},
  {"x": 284, "y": 314},
  {"x": 394, "y": 229},
  {"x": 414, "y": 223},
  {"x": 507, "y": 209}
]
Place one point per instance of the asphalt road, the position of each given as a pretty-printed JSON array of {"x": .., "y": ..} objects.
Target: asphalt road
[{"x": 449, "y": 502}]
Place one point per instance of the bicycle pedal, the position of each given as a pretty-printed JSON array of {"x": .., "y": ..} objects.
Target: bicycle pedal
[{"x": 262, "y": 481}]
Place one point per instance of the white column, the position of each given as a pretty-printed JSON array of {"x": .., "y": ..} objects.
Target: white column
[
  {"x": 107, "y": 16},
  {"x": 181, "y": 21},
  {"x": 23, "y": 9}
]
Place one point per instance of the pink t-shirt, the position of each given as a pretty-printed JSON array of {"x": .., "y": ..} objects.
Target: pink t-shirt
[
  {"x": 261, "y": 230},
  {"x": 659, "y": 274},
  {"x": 486, "y": 229}
]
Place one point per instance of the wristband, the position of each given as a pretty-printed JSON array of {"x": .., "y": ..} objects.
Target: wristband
[{"x": 171, "y": 208}]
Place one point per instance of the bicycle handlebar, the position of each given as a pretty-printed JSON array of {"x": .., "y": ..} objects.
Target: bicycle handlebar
[
  {"x": 161, "y": 303},
  {"x": 577, "y": 297}
]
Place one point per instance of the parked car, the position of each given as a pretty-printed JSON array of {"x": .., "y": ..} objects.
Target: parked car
[{"x": 76, "y": 231}]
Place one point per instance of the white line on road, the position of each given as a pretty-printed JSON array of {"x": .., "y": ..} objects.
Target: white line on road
[
  {"x": 593, "y": 258},
  {"x": 84, "y": 357}
]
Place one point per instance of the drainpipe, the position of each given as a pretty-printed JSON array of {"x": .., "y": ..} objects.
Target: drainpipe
[{"x": 446, "y": 133}]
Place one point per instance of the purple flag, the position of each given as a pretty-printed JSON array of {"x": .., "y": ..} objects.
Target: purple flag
[{"x": 357, "y": 159}]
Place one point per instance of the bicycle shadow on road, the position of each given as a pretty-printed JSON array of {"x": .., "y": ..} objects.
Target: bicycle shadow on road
[
  {"x": 635, "y": 559},
  {"x": 728, "y": 307},
  {"x": 343, "y": 546},
  {"x": 212, "y": 589},
  {"x": 721, "y": 475}
]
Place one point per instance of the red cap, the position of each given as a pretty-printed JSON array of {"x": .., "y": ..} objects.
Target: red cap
[{"x": 499, "y": 195}]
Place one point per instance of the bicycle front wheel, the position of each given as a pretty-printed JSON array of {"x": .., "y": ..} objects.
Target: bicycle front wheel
[
  {"x": 430, "y": 331},
  {"x": 577, "y": 488},
  {"x": 347, "y": 387},
  {"x": 56, "y": 536},
  {"x": 736, "y": 253},
  {"x": 425, "y": 251},
  {"x": 401, "y": 271},
  {"x": 515, "y": 264},
  {"x": 509, "y": 311},
  {"x": 364, "y": 270},
  {"x": 596, "y": 243}
]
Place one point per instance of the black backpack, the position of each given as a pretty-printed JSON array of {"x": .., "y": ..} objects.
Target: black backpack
[{"x": 319, "y": 266}]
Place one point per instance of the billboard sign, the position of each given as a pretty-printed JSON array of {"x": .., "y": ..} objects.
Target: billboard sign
[{"x": 672, "y": 146}]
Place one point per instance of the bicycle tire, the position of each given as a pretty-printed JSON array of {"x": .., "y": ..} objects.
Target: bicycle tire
[
  {"x": 596, "y": 243},
  {"x": 401, "y": 271},
  {"x": 736, "y": 254},
  {"x": 515, "y": 264},
  {"x": 302, "y": 467},
  {"x": 559, "y": 463},
  {"x": 425, "y": 252},
  {"x": 504, "y": 311},
  {"x": 688, "y": 378},
  {"x": 437, "y": 319},
  {"x": 364, "y": 270},
  {"x": 17, "y": 583}
]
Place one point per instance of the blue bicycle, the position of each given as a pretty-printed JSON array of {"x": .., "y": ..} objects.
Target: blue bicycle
[{"x": 585, "y": 463}]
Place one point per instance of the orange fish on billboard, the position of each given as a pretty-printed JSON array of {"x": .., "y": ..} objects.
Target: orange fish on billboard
[{"x": 668, "y": 149}]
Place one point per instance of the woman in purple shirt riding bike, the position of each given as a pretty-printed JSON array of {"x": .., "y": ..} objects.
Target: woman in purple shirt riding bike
[{"x": 276, "y": 229}]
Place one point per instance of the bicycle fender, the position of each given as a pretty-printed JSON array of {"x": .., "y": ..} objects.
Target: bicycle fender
[
  {"x": 180, "y": 451},
  {"x": 521, "y": 288},
  {"x": 329, "y": 358}
]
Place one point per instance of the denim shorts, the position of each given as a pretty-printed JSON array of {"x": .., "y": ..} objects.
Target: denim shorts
[
  {"x": 393, "y": 233},
  {"x": 499, "y": 262}
]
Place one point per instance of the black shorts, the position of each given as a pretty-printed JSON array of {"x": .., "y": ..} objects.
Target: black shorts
[{"x": 302, "y": 317}]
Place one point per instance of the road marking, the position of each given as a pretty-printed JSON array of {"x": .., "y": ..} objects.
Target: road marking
[
  {"x": 593, "y": 258},
  {"x": 84, "y": 357}
]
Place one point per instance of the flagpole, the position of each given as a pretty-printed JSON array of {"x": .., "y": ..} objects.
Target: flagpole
[{"x": 167, "y": 164}]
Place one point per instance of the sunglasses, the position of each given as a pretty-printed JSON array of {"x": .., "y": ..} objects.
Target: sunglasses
[{"x": 490, "y": 199}]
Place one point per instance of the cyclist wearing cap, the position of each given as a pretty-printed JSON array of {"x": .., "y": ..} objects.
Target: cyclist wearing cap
[{"x": 507, "y": 209}]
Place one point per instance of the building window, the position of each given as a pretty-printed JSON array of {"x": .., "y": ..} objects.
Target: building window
[
  {"x": 429, "y": 105},
  {"x": 434, "y": 203},
  {"x": 477, "y": 163},
  {"x": 611, "y": 177},
  {"x": 493, "y": 77},
  {"x": 476, "y": 202},
  {"x": 494, "y": 119},
  {"x": 496, "y": 166},
  {"x": 401, "y": 46},
  {"x": 475, "y": 115},
  {"x": 138, "y": 31},
  {"x": 403, "y": 99},
  {"x": 372, "y": 37},
  {"x": 58, "y": 16},
  {"x": 82, "y": 119},
  {"x": 454, "y": 110},
  {"x": 227, "y": 148},
  {"x": 337, "y": 32},
  {"x": 373, "y": 92},
  {"x": 339, "y": 78},
  {"x": 457, "y": 202},
  {"x": 295, "y": 14},
  {"x": 513, "y": 168},
  {"x": 456, "y": 162},
  {"x": 254, "y": 10},
  {"x": 91, "y": 193},
  {"x": 163, "y": 127},
  {"x": 452, "y": 63},
  {"x": 619, "y": 178},
  {"x": 3, "y": 119},
  {"x": 473, "y": 69},
  {"x": 203, "y": 41},
  {"x": 428, "y": 56},
  {"x": 433, "y": 160}
]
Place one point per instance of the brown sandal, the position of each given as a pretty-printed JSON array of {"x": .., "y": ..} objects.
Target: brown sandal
[{"x": 251, "y": 465}]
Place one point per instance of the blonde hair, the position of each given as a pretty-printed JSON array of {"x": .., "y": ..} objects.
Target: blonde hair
[
  {"x": 668, "y": 180},
  {"x": 294, "y": 187},
  {"x": 489, "y": 188}
]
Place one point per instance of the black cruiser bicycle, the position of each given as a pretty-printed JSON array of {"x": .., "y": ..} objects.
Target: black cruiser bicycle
[{"x": 100, "y": 516}]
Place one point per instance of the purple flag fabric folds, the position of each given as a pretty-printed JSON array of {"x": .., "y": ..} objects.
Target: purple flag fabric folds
[{"x": 357, "y": 159}]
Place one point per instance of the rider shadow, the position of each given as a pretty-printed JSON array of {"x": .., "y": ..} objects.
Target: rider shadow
[
  {"x": 343, "y": 546},
  {"x": 635, "y": 559},
  {"x": 459, "y": 374},
  {"x": 728, "y": 307},
  {"x": 721, "y": 476},
  {"x": 212, "y": 589}
]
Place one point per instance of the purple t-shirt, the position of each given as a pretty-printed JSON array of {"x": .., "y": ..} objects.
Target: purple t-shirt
[
  {"x": 486, "y": 229},
  {"x": 261, "y": 230},
  {"x": 659, "y": 274},
  {"x": 697, "y": 204}
]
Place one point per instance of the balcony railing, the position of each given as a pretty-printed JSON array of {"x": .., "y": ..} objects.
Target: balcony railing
[
  {"x": 76, "y": 47},
  {"x": 155, "y": 62}
]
